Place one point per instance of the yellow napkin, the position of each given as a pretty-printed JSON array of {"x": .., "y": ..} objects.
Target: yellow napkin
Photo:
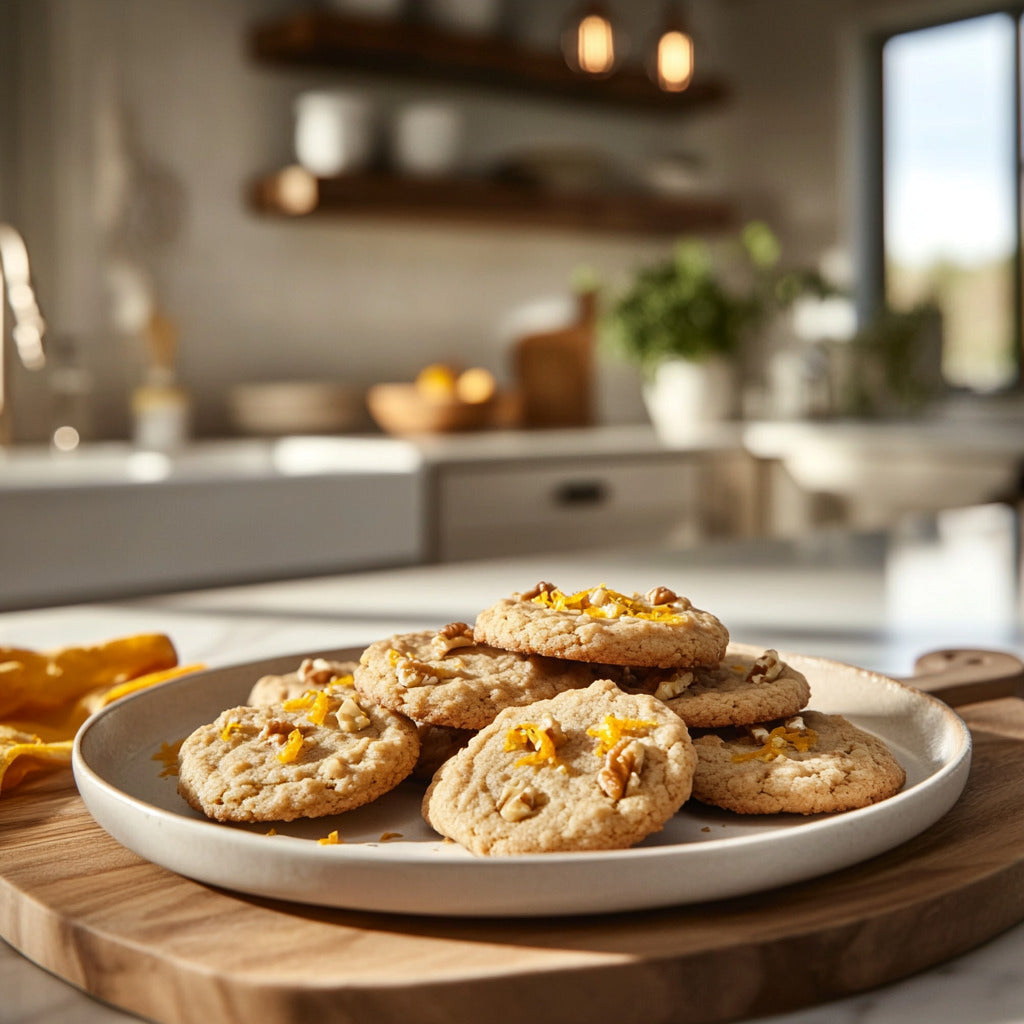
[{"x": 46, "y": 696}]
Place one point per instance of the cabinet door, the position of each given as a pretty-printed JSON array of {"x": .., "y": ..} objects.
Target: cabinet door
[{"x": 486, "y": 511}]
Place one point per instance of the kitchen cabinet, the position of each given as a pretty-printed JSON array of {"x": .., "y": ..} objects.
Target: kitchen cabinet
[
  {"x": 396, "y": 49},
  {"x": 562, "y": 497},
  {"x": 108, "y": 520}
]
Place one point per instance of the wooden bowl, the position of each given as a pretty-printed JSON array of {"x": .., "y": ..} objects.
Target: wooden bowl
[{"x": 403, "y": 409}]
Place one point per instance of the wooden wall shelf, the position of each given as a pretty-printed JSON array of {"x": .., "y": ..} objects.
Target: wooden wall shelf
[
  {"x": 485, "y": 202},
  {"x": 323, "y": 39}
]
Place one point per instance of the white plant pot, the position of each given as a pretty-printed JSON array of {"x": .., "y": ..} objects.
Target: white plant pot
[{"x": 685, "y": 395}]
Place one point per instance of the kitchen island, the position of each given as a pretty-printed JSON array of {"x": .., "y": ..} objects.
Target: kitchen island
[{"x": 875, "y": 600}]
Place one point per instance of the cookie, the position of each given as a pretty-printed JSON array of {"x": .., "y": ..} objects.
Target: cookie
[
  {"x": 808, "y": 764},
  {"x": 437, "y": 742},
  {"x": 659, "y": 629},
  {"x": 742, "y": 690},
  {"x": 322, "y": 753},
  {"x": 445, "y": 678},
  {"x": 590, "y": 769},
  {"x": 312, "y": 674}
]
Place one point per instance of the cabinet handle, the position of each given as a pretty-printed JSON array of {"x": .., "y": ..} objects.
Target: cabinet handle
[{"x": 581, "y": 492}]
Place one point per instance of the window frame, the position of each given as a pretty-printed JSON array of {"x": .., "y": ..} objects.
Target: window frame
[{"x": 871, "y": 297}]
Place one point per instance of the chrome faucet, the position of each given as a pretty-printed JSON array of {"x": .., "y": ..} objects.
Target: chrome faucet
[{"x": 28, "y": 326}]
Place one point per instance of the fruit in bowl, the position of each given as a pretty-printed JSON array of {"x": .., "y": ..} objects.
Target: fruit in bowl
[{"x": 442, "y": 399}]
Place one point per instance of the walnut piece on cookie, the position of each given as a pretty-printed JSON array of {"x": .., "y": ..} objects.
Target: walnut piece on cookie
[
  {"x": 316, "y": 754},
  {"x": 601, "y": 625},
  {"x": 808, "y": 764},
  {"x": 589, "y": 769}
]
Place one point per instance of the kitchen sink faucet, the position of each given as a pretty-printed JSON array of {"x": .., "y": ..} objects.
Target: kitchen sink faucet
[{"x": 28, "y": 326}]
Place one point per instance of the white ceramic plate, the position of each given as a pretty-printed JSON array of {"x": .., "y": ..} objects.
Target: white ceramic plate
[{"x": 702, "y": 854}]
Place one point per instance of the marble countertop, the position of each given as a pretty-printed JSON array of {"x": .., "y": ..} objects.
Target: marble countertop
[{"x": 877, "y": 601}]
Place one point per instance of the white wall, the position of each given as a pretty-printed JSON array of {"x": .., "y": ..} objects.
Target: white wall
[{"x": 257, "y": 298}]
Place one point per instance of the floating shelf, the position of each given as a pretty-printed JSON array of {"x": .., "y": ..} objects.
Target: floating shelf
[
  {"x": 294, "y": 193},
  {"x": 323, "y": 39}
]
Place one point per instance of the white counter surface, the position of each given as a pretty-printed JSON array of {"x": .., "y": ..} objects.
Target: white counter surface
[{"x": 877, "y": 602}]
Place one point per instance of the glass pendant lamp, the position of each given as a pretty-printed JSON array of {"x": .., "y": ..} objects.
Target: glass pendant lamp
[
  {"x": 588, "y": 41},
  {"x": 671, "y": 60}
]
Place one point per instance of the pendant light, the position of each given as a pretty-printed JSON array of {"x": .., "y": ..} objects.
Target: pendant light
[
  {"x": 588, "y": 42},
  {"x": 671, "y": 60}
]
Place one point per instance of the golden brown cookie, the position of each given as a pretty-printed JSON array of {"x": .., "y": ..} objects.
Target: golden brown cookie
[
  {"x": 742, "y": 690},
  {"x": 600, "y": 625},
  {"x": 321, "y": 753},
  {"x": 591, "y": 769},
  {"x": 437, "y": 742},
  {"x": 445, "y": 677},
  {"x": 807, "y": 764},
  {"x": 312, "y": 674}
]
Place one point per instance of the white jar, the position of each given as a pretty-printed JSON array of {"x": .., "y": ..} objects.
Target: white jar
[
  {"x": 160, "y": 414},
  {"x": 334, "y": 132},
  {"x": 427, "y": 138}
]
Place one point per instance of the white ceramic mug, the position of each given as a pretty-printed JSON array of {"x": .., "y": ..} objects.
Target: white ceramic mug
[
  {"x": 334, "y": 132},
  {"x": 427, "y": 138}
]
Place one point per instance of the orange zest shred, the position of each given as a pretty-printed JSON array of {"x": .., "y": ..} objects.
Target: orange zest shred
[
  {"x": 614, "y": 606},
  {"x": 386, "y": 837},
  {"x": 339, "y": 681},
  {"x": 536, "y": 739},
  {"x": 331, "y": 839},
  {"x": 318, "y": 712},
  {"x": 291, "y": 749},
  {"x": 300, "y": 703},
  {"x": 232, "y": 726},
  {"x": 612, "y": 729},
  {"x": 775, "y": 746}
]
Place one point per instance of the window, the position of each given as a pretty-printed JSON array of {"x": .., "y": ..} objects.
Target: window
[{"x": 951, "y": 195}]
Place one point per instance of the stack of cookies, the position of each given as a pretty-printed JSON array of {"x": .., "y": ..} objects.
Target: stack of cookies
[{"x": 558, "y": 721}]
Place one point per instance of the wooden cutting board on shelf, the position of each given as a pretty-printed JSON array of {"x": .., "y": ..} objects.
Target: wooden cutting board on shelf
[
  {"x": 554, "y": 371},
  {"x": 151, "y": 942}
]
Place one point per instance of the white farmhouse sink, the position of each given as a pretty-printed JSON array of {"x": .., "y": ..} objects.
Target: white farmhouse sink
[
  {"x": 884, "y": 469},
  {"x": 108, "y": 520}
]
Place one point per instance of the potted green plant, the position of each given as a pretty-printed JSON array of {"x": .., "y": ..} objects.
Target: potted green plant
[{"x": 684, "y": 321}]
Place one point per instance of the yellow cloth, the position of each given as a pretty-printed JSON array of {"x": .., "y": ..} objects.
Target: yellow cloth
[{"x": 46, "y": 696}]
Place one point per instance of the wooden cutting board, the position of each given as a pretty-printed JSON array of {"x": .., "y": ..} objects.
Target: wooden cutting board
[{"x": 172, "y": 950}]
